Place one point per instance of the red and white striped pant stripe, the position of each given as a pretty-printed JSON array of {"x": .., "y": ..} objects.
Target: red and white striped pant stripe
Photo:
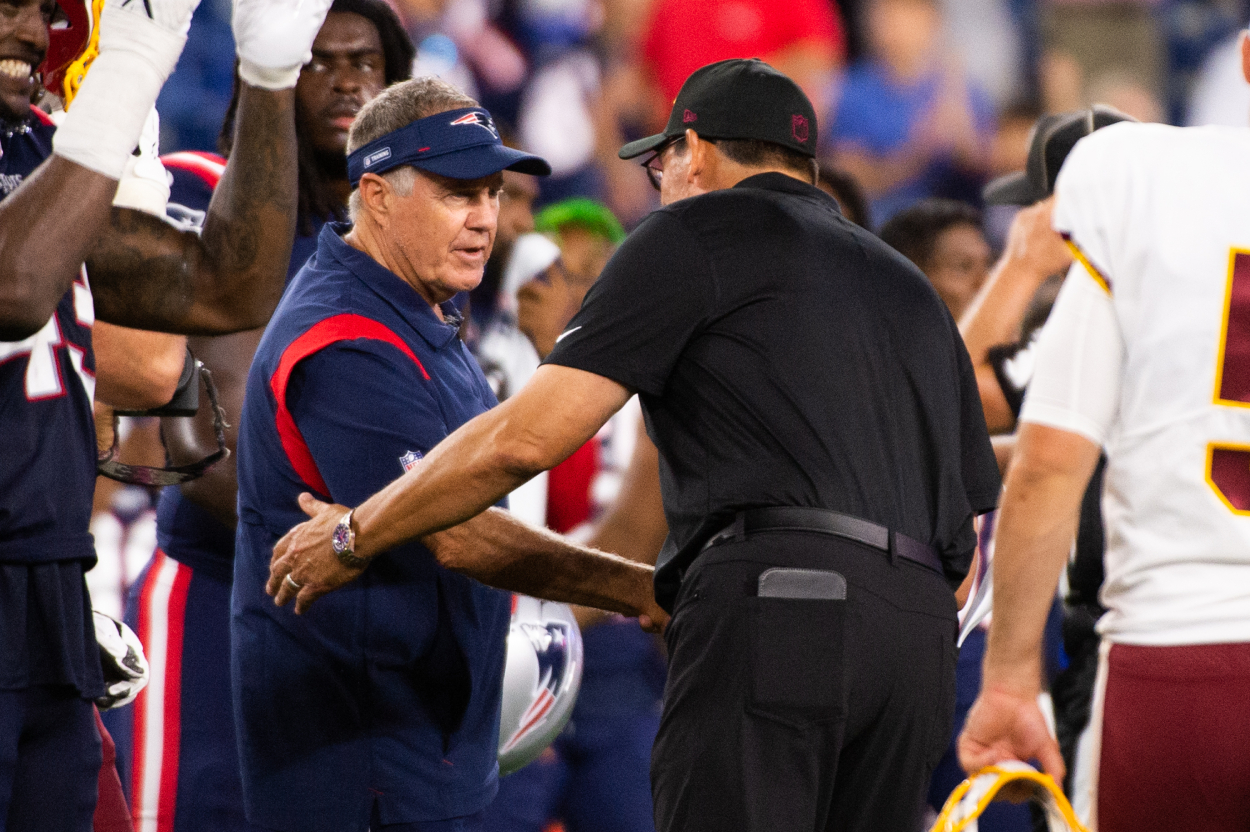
[{"x": 162, "y": 612}]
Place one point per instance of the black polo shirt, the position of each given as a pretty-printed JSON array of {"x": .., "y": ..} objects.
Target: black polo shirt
[{"x": 786, "y": 357}]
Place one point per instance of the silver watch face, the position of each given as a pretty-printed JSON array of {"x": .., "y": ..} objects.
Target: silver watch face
[{"x": 342, "y": 540}]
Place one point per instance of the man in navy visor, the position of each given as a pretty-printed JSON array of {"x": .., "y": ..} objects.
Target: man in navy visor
[{"x": 379, "y": 707}]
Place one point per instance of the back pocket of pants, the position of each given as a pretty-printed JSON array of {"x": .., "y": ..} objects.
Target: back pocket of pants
[{"x": 797, "y": 659}]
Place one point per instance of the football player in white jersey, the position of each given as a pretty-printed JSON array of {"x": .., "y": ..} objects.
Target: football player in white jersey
[{"x": 1147, "y": 353}]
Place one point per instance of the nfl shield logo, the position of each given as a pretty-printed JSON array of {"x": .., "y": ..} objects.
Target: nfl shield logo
[{"x": 410, "y": 460}]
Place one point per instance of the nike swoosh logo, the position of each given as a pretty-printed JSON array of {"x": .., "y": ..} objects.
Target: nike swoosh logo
[{"x": 566, "y": 334}]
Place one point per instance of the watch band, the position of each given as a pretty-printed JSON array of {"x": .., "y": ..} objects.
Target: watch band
[{"x": 343, "y": 542}]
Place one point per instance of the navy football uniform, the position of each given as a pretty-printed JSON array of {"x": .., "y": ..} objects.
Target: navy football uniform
[{"x": 49, "y": 662}]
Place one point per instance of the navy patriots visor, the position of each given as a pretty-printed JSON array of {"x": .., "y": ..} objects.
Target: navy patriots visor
[{"x": 458, "y": 144}]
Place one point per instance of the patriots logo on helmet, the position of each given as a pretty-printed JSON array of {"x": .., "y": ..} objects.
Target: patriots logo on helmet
[
  {"x": 481, "y": 120},
  {"x": 551, "y": 645}
]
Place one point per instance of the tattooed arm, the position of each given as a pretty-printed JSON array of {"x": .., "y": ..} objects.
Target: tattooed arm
[
  {"x": 146, "y": 274},
  {"x": 47, "y": 226}
]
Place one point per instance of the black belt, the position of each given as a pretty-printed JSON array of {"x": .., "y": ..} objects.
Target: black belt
[{"x": 824, "y": 521}]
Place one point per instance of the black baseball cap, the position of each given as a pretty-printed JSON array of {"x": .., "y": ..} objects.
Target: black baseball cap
[
  {"x": 1051, "y": 141},
  {"x": 742, "y": 98}
]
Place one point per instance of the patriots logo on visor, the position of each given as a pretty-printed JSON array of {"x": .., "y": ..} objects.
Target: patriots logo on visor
[
  {"x": 551, "y": 645},
  {"x": 481, "y": 120}
]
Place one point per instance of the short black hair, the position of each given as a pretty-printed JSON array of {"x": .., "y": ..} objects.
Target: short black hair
[
  {"x": 758, "y": 153},
  {"x": 316, "y": 199},
  {"x": 913, "y": 232},
  {"x": 849, "y": 194}
]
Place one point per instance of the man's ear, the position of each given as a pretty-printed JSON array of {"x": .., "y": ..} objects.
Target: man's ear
[
  {"x": 375, "y": 193},
  {"x": 701, "y": 161},
  {"x": 1245, "y": 55}
]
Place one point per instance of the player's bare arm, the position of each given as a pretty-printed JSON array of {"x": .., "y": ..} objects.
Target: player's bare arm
[
  {"x": 1034, "y": 252},
  {"x": 146, "y": 273},
  {"x": 61, "y": 201},
  {"x": 149, "y": 276},
  {"x": 553, "y": 415},
  {"x": 136, "y": 369},
  {"x": 68, "y": 198},
  {"x": 1038, "y": 521}
]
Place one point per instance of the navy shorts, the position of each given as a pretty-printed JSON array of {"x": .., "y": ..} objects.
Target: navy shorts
[{"x": 50, "y": 756}]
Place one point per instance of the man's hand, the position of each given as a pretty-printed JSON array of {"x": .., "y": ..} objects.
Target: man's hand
[
  {"x": 304, "y": 566},
  {"x": 654, "y": 620},
  {"x": 1007, "y": 724},
  {"x": 544, "y": 307},
  {"x": 1034, "y": 246}
]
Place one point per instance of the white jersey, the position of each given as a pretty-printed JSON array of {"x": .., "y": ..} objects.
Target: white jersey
[{"x": 1148, "y": 353}]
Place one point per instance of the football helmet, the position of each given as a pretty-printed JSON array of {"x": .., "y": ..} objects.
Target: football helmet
[
  {"x": 73, "y": 41},
  {"x": 541, "y": 678},
  {"x": 971, "y": 797}
]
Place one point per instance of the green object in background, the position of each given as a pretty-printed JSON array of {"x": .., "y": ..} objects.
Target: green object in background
[{"x": 590, "y": 214}]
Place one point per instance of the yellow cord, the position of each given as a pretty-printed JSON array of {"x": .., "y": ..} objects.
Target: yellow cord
[{"x": 77, "y": 70}]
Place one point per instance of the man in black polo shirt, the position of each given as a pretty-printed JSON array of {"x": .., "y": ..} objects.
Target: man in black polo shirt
[{"x": 822, "y": 453}]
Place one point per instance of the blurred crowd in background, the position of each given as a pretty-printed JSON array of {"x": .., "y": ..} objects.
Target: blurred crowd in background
[{"x": 916, "y": 98}]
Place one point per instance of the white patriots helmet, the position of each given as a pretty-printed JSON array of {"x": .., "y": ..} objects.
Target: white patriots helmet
[
  {"x": 971, "y": 797},
  {"x": 540, "y": 679}
]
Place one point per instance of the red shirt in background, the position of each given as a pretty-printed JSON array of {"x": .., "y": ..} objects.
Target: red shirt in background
[
  {"x": 569, "y": 501},
  {"x": 683, "y": 35}
]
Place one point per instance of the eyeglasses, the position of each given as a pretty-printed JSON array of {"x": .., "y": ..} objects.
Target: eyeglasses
[{"x": 654, "y": 167}]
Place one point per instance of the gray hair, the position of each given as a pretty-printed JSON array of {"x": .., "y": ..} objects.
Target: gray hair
[{"x": 398, "y": 106}]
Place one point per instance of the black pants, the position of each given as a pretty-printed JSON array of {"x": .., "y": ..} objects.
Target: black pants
[{"x": 783, "y": 715}]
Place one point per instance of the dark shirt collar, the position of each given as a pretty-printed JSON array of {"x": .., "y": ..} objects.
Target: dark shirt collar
[
  {"x": 773, "y": 181},
  {"x": 391, "y": 288}
]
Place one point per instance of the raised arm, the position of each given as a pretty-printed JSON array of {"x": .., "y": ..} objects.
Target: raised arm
[
  {"x": 148, "y": 274},
  {"x": 1034, "y": 252},
  {"x": 145, "y": 274},
  {"x": 53, "y": 220},
  {"x": 229, "y": 278},
  {"x": 61, "y": 202}
]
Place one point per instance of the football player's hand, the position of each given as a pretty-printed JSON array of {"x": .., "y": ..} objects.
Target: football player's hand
[
  {"x": 274, "y": 39},
  {"x": 304, "y": 566},
  {"x": 544, "y": 307},
  {"x": 171, "y": 15},
  {"x": 1033, "y": 243},
  {"x": 1007, "y": 724}
]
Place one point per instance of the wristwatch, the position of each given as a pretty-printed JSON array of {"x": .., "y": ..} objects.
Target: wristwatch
[{"x": 343, "y": 542}]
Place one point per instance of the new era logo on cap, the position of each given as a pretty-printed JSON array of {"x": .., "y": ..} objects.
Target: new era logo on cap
[
  {"x": 373, "y": 158},
  {"x": 688, "y": 117},
  {"x": 480, "y": 119},
  {"x": 798, "y": 128}
]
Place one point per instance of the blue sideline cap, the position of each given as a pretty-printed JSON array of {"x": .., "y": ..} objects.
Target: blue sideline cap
[{"x": 458, "y": 144}]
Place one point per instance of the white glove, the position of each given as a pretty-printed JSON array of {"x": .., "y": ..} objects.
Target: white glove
[
  {"x": 274, "y": 39},
  {"x": 144, "y": 185},
  {"x": 125, "y": 667},
  {"x": 138, "y": 51}
]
